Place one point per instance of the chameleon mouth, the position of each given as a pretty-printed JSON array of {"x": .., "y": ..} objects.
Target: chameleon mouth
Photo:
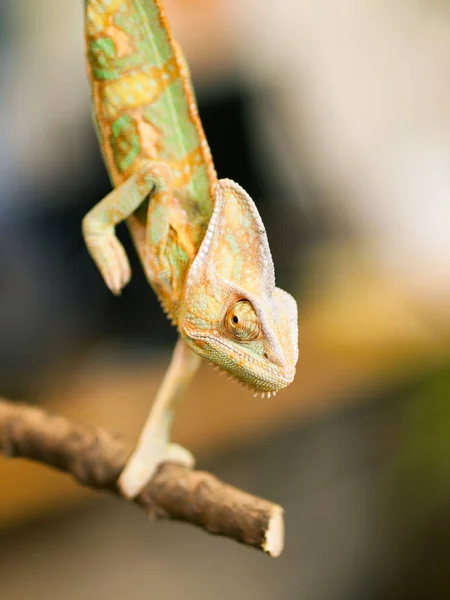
[
  {"x": 264, "y": 379},
  {"x": 262, "y": 391}
]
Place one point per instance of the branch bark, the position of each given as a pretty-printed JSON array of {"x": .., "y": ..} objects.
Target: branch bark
[{"x": 95, "y": 458}]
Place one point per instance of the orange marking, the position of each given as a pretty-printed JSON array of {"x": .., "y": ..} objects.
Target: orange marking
[
  {"x": 138, "y": 87},
  {"x": 149, "y": 136},
  {"x": 184, "y": 169},
  {"x": 122, "y": 41}
]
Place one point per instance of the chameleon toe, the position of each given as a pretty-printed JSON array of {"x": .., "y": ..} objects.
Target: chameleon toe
[{"x": 143, "y": 465}]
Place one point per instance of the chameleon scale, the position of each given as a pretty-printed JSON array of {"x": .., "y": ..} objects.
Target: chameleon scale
[{"x": 200, "y": 240}]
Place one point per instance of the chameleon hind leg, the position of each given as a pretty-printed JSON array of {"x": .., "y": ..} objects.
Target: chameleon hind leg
[{"x": 153, "y": 447}]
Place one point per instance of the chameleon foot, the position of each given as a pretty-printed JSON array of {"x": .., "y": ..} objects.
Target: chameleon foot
[
  {"x": 143, "y": 465},
  {"x": 111, "y": 260}
]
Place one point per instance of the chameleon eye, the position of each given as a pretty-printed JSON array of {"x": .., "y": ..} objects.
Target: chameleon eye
[{"x": 241, "y": 321}]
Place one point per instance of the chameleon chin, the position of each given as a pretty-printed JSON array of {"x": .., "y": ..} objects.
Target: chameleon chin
[{"x": 201, "y": 241}]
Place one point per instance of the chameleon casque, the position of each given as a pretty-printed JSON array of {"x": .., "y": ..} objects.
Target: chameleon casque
[{"x": 200, "y": 240}]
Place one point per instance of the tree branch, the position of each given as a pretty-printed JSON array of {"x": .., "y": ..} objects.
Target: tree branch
[{"x": 95, "y": 458}]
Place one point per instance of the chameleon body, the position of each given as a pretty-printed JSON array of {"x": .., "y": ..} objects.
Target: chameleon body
[{"x": 200, "y": 240}]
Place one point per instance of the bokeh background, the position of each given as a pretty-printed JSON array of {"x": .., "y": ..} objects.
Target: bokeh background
[{"x": 335, "y": 116}]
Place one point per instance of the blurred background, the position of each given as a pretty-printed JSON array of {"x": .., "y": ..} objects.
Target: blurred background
[{"x": 335, "y": 116}]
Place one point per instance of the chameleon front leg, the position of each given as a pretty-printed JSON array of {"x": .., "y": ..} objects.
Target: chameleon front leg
[
  {"x": 99, "y": 223},
  {"x": 153, "y": 447}
]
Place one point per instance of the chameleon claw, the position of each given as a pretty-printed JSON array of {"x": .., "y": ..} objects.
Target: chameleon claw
[
  {"x": 143, "y": 465},
  {"x": 111, "y": 260}
]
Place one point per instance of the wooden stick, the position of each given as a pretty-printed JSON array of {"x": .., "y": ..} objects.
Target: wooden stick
[{"x": 95, "y": 458}]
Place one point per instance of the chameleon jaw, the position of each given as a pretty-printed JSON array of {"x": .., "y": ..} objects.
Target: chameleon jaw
[{"x": 257, "y": 375}]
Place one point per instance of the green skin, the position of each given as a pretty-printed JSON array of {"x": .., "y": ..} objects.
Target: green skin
[{"x": 201, "y": 241}]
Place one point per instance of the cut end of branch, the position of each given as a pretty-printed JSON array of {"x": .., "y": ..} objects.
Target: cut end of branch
[{"x": 274, "y": 541}]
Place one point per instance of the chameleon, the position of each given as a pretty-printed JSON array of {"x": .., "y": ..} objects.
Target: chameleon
[{"x": 201, "y": 241}]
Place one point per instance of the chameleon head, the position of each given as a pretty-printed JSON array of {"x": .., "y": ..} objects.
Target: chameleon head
[{"x": 232, "y": 314}]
